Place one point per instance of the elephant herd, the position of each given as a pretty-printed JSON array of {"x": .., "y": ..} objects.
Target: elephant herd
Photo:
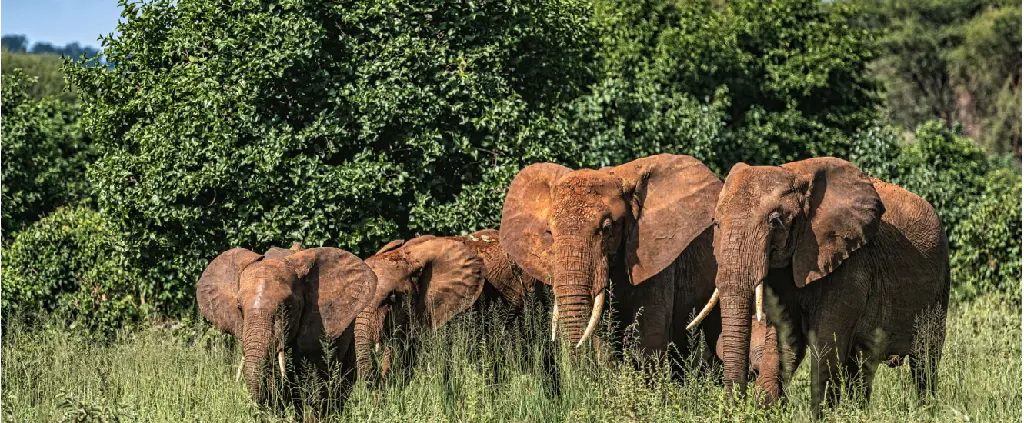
[{"x": 812, "y": 258}]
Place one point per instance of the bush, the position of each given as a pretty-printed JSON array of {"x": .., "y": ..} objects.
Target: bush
[
  {"x": 945, "y": 168},
  {"x": 787, "y": 77},
  {"x": 72, "y": 263},
  {"x": 988, "y": 239},
  {"x": 45, "y": 151},
  {"x": 253, "y": 124}
]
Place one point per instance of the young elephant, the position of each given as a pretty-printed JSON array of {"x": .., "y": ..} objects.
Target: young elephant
[
  {"x": 442, "y": 276},
  {"x": 282, "y": 304},
  {"x": 859, "y": 267},
  {"x": 643, "y": 227}
]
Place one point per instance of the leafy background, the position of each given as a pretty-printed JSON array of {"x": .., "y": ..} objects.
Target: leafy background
[{"x": 208, "y": 125}]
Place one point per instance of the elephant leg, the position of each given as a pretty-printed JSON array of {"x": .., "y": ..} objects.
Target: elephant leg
[
  {"x": 827, "y": 364},
  {"x": 867, "y": 372},
  {"x": 861, "y": 370},
  {"x": 829, "y": 358}
]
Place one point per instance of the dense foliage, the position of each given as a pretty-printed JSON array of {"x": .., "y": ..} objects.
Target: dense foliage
[
  {"x": 45, "y": 152},
  {"x": 72, "y": 263},
  {"x": 349, "y": 124},
  {"x": 959, "y": 60}
]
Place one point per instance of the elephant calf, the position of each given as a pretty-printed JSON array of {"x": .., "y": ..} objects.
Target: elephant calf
[
  {"x": 282, "y": 304},
  {"x": 442, "y": 277}
]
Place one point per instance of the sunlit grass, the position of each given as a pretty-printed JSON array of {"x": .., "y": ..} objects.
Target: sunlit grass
[{"x": 467, "y": 371}]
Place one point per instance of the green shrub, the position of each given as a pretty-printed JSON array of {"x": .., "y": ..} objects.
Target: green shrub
[
  {"x": 45, "y": 151},
  {"x": 253, "y": 124},
  {"x": 788, "y": 76},
  {"x": 945, "y": 168},
  {"x": 988, "y": 239},
  {"x": 72, "y": 263}
]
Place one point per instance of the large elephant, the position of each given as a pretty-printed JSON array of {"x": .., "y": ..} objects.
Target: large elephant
[
  {"x": 282, "y": 304},
  {"x": 644, "y": 227},
  {"x": 857, "y": 268},
  {"x": 442, "y": 277}
]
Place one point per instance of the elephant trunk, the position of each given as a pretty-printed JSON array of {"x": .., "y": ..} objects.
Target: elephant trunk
[
  {"x": 257, "y": 340},
  {"x": 369, "y": 326},
  {"x": 769, "y": 378},
  {"x": 743, "y": 263},
  {"x": 578, "y": 285}
]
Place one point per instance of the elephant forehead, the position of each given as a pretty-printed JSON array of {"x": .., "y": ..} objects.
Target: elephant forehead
[
  {"x": 587, "y": 185},
  {"x": 751, "y": 187},
  {"x": 265, "y": 283}
]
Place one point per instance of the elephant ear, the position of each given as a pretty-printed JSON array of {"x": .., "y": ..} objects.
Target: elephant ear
[
  {"x": 451, "y": 279},
  {"x": 217, "y": 289},
  {"x": 525, "y": 232},
  {"x": 673, "y": 201},
  {"x": 338, "y": 282},
  {"x": 843, "y": 211}
]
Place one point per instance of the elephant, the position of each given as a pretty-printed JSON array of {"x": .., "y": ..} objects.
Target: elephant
[
  {"x": 442, "y": 277},
  {"x": 857, "y": 268},
  {"x": 641, "y": 229},
  {"x": 284, "y": 303}
]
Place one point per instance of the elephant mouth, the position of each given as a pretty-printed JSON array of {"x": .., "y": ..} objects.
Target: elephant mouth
[
  {"x": 595, "y": 316},
  {"x": 758, "y": 306}
]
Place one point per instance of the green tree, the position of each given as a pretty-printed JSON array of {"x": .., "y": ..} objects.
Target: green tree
[
  {"x": 252, "y": 124},
  {"x": 786, "y": 77},
  {"x": 45, "y": 153},
  {"x": 957, "y": 60}
]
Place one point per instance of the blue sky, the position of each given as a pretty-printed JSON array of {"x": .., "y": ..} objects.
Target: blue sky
[{"x": 59, "y": 21}]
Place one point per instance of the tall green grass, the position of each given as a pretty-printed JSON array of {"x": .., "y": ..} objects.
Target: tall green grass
[{"x": 498, "y": 370}]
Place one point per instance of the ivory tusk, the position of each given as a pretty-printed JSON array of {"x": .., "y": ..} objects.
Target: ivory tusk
[
  {"x": 704, "y": 312},
  {"x": 280, "y": 362},
  {"x": 759, "y": 301},
  {"x": 238, "y": 374},
  {"x": 595, "y": 314},
  {"x": 554, "y": 322},
  {"x": 376, "y": 347}
]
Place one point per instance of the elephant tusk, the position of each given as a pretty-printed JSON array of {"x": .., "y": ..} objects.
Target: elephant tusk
[
  {"x": 554, "y": 322},
  {"x": 704, "y": 312},
  {"x": 280, "y": 362},
  {"x": 595, "y": 314},
  {"x": 238, "y": 374},
  {"x": 376, "y": 347},
  {"x": 759, "y": 301}
]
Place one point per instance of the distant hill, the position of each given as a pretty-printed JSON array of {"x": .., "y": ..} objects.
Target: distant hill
[
  {"x": 42, "y": 60},
  {"x": 19, "y": 44}
]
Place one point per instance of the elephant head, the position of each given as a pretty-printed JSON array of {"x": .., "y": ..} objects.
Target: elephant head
[
  {"x": 441, "y": 277},
  {"x": 575, "y": 229},
  {"x": 286, "y": 298},
  {"x": 804, "y": 217}
]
